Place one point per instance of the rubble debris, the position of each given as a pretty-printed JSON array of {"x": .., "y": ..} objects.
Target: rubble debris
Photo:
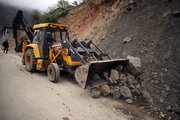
[
  {"x": 167, "y": 13},
  {"x": 134, "y": 60},
  {"x": 122, "y": 76},
  {"x": 129, "y": 101},
  {"x": 114, "y": 75},
  {"x": 116, "y": 93},
  {"x": 96, "y": 77},
  {"x": 147, "y": 96},
  {"x": 95, "y": 93},
  {"x": 131, "y": 79},
  {"x": 105, "y": 90},
  {"x": 130, "y": 68},
  {"x": 125, "y": 91},
  {"x": 127, "y": 39},
  {"x": 134, "y": 65},
  {"x": 119, "y": 68},
  {"x": 105, "y": 74},
  {"x": 176, "y": 13},
  {"x": 162, "y": 115}
]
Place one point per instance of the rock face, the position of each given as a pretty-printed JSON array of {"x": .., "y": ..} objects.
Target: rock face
[
  {"x": 105, "y": 90},
  {"x": 125, "y": 91},
  {"x": 114, "y": 75},
  {"x": 129, "y": 101}
]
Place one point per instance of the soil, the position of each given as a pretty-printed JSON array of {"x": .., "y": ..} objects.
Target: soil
[{"x": 155, "y": 33}]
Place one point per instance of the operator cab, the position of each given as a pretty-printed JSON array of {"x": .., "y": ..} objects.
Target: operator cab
[{"x": 48, "y": 34}]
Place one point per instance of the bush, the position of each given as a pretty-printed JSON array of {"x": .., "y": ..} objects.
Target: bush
[
  {"x": 90, "y": 3},
  {"x": 52, "y": 15},
  {"x": 35, "y": 17}
]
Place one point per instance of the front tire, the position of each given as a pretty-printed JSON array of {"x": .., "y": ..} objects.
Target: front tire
[
  {"x": 53, "y": 72},
  {"x": 30, "y": 61}
]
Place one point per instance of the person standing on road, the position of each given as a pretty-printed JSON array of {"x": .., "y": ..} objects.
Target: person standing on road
[{"x": 6, "y": 46}]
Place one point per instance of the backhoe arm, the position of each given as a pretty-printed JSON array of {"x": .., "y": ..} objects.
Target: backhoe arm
[{"x": 17, "y": 22}]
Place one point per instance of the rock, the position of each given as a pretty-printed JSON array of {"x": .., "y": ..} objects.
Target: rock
[
  {"x": 116, "y": 93},
  {"x": 100, "y": 14},
  {"x": 131, "y": 1},
  {"x": 125, "y": 91},
  {"x": 166, "y": 13},
  {"x": 114, "y": 75},
  {"x": 119, "y": 68},
  {"x": 127, "y": 39},
  {"x": 105, "y": 74},
  {"x": 131, "y": 79},
  {"x": 167, "y": 87},
  {"x": 134, "y": 65},
  {"x": 168, "y": 107},
  {"x": 134, "y": 60},
  {"x": 147, "y": 96},
  {"x": 105, "y": 90},
  {"x": 122, "y": 76},
  {"x": 130, "y": 68},
  {"x": 162, "y": 115},
  {"x": 129, "y": 101},
  {"x": 96, "y": 77},
  {"x": 176, "y": 13},
  {"x": 95, "y": 93}
]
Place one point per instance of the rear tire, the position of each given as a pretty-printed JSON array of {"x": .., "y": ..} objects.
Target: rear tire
[
  {"x": 53, "y": 72},
  {"x": 30, "y": 61}
]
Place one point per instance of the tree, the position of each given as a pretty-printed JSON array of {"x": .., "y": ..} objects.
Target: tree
[
  {"x": 35, "y": 17},
  {"x": 75, "y": 3},
  {"x": 63, "y": 4}
]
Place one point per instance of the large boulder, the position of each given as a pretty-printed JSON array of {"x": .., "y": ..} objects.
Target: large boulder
[
  {"x": 134, "y": 60},
  {"x": 134, "y": 65}
]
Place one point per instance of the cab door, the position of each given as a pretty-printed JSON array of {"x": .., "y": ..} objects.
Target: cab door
[{"x": 39, "y": 40}]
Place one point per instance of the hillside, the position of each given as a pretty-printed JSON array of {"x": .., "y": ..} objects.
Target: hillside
[
  {"x": 153, "y": 28},
  {"x": 146, "y": 29}
]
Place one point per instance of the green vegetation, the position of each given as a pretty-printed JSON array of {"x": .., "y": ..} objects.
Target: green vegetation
[
  {"x": 90, "y": 3},
  {"x": 75, "y": 3},
  {"x": 52, "y": 14},
  {"x": 35, "y": 17}
]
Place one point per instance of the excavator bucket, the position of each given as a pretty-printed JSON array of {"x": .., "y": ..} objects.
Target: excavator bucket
[{"x": 84, "y": 74}]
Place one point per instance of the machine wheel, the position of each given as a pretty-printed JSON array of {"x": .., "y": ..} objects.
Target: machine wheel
[
  {"x": 53, "y": 72},
  {"x": 30, "y": 61}
]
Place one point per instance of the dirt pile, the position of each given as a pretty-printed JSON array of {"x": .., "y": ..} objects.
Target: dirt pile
[{"x": 150, "y": 30}]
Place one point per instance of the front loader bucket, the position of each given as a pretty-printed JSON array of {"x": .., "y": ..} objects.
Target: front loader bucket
[{"x": 84, "y": 74}]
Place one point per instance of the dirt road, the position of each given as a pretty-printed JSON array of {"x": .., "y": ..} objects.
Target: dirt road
[{"x": 26, "y": 96}]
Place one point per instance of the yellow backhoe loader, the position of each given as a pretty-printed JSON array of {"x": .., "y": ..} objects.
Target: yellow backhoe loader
[{"x": 47, "y": 48}]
